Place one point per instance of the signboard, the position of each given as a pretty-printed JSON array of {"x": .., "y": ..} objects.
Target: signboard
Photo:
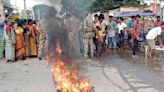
[{"x": 129, "y": 9}]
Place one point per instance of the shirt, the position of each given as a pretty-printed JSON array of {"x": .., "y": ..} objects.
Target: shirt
[
  {"x": 104, "y": 24},
  {"x": 158, "y": 23},
  {"x": 121, "y": 26},
  {"x": 153, "y": 33},
  {"x": 135, "y": 32},
  {"x": 130, "y": 24},
  {"x": 112, "y": 29},
  {"x": 100, "y": 35}
]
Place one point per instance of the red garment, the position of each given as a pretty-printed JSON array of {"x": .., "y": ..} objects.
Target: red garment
[
  {"x": 135, "y": 33},
  {"x": 7, "y": 29},
  {"x": 158, "y": 23}
]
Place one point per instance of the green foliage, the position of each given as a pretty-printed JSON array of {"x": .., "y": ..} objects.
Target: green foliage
[{"x": 101, "y": 5}]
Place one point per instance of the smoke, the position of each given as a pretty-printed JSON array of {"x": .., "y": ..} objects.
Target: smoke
[{"x": 64, "y": 26}]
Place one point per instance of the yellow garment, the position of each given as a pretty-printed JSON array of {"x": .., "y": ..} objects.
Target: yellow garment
[
  {"x": 100, "y": 35},
  {"x": 33, "y": 44},
  {"x": 98, "y": 24},
  {"x": 19, "y": 31}
]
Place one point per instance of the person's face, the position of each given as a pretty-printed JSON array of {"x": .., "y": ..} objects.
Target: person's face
[
  {"x": 137, "y": 18},
  {"x": 15, "y": 25},
  {"x": 9, "y": 23},
  {"x": 96, "y": 19},
  {"x": 162, "y": 26},
  {"x": 110, "y": 18},
  {"x": 158, "y": 19},
  {"x": 119, "y": 20}
]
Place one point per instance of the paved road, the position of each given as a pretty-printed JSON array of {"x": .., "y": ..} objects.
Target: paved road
[{"x": 112, "y": 74}]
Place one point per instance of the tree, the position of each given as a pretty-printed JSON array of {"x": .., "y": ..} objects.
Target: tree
[{"x": 101, "y": 5}]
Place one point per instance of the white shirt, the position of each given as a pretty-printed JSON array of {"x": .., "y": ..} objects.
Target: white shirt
[
  {"x": 153, "y": 33},
  {"x": 121, "y": 26},
  {"x": 104, "y": 23}
]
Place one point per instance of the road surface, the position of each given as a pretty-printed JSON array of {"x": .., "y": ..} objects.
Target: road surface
[{"x": 113, "y": 73}]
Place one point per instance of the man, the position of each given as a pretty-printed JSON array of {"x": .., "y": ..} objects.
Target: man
[
  {"x": 151, "y": 36},
  {"x": 112, "y": 33},
  {"x": 1, "y": 37},
  {"x": 104, "y": 25},
  {"x": 88, "y": 37},
  {"x": 158, "y": 22},
  {"x": 121, "y": 32},
  {"x": 135, "y": 36}
]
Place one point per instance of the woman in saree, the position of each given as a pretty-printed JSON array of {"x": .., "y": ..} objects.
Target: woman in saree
[
  {"x": 1, "y": 37},
  {"x": 32, "y": 36},
  {"x": 20, "y": 44},
  {"x": 27, "y": 39},
  {"x": 9, "y": 42}
]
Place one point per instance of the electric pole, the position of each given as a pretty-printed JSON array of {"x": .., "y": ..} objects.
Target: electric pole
[{"x": 25, "y": 10}]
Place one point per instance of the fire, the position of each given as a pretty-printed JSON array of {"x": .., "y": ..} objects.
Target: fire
[{"x": 67, "y": 78}]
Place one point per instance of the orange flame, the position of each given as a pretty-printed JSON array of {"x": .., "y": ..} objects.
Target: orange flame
[{"x": 67, "y": 79}]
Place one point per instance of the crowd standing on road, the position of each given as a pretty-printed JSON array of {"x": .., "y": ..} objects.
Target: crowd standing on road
[
  {"x": 21, "y": 39},
  {"x": 113, "y": 34},
  {"x": 24, "y": 38}
]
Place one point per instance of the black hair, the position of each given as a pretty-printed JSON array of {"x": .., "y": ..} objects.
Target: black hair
[
  {"x": 97, "y": 27},
  {"x": 158, "y": 17},
  {"x": 30, "y": 21},
  {"x": 101, "y": 16},
  {"x": 96, "y": 15},
  {"x": 138, "y": 16},
  {"x": 34, "y": 22},
  {"x": 121, "y": 18},
  {"x": 133, "y": 17},
  {"x": 6, "y": 21}
]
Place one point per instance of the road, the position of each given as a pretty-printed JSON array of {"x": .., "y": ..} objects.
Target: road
[{"x": 113, "y": 73}]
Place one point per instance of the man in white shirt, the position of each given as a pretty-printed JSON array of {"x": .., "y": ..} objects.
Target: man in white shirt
[
  {"x": 121, "y": 26},
  {"x": 151, "y": 36}
]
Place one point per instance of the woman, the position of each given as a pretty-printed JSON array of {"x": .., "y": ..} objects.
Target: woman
[
  {"x": 27, "y": 39},
  {"x": 1, "y": 37},
  {"x": 9, "y": 42},
  {"x": 33, "y": 44},
  {"x": 20, "y": 44}
]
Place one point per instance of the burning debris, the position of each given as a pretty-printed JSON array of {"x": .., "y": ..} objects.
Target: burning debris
[
  {"x": 64, "y": 30},
  {"x": 67, "y": 76}
]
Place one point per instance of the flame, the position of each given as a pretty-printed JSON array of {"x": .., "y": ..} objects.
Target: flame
[{"x": 66, "y": 78}]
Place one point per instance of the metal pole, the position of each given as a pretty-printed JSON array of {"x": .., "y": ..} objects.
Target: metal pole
[{"x": 25, "y": 10}]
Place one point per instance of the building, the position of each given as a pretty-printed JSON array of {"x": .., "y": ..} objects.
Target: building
[{"x": 5, "y": 7}]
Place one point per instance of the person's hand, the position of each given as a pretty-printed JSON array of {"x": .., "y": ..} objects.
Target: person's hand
[
  {"x": 137, "y": 38},
  {"x": 161, "y": 46}
]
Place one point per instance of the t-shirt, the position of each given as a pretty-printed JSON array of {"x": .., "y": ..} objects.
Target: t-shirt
[
  {"x": 121, "y": 26},
  {"x": 112, "y": 29},
  {"x": 130, "y": 24},
  {"x": 153, "y": 33},
  {"x": 157, "y": 23},
  {"x": 135, "y": 32},
  {"x": 100, "y": 35},
  {"x": 104, "y": 24}
]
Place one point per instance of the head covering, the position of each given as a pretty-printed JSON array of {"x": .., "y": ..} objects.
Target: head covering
[{"x": 111, "y": 15}]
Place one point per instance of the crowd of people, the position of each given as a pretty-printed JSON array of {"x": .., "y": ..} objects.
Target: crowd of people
[
  {"x": 117, "y": 34},
  {"x": 20, "y": 39},
  {"x": 24, "y": 38}
]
